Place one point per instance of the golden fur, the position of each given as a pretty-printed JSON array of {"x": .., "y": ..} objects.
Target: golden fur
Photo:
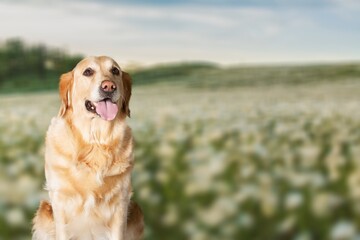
[{"x": 88, "y": 162}]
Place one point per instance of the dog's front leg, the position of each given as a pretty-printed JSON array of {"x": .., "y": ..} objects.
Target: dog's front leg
[
  {"x": 59, "y": 219},
  {"x": 119, "y": 221},
  {"x": 118, "y": 226}
]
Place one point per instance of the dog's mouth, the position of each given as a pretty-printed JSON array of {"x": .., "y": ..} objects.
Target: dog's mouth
[{"x": 105, "y": 108}]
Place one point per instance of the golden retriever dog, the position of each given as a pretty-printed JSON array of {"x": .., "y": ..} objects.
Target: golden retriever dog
[{"x": 89, "y": 158}]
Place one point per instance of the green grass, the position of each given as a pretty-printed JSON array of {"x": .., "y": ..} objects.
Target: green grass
[
  {"x": 210, "y": 76},
  {"x": 29, "y": 83},
  {"x": 238, "y": 153},
  {"x": 202, "y": 75},
  {"x": 181, "y": 72}
]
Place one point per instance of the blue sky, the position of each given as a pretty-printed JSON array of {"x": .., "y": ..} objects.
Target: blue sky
[{"x": 223, "y": 31}]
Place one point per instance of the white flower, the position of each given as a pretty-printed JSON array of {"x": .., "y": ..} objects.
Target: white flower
[
  {"x": 247, "y": 171},
  {"x": 269, "y": 203},
  {"x": 318, "y": 180},
  {"x": 162, "y": 177},
  {"x": 247, "y": 191},
  {"x": 298, "y": 179},
  {"x": 354, "y": 184},
  {"x": 333, "y": 162},
  {"x": 287, "y": 224},
  {"x": 324, "y": 201},
  {"x": 343, "y": 230},
  {"x": 245, "y": 220},
  {"x": 144, "y": 192},
  {"x": 309, "y": 154},
  {"x": 293, "y": 200},
  {"x": 15, "y": 217},
  {"x": 171, "y": 215},
  {"x": 303, "y": 236},
  {"x": 166, "y": 150},
  {"x": 217, "y": 212}
]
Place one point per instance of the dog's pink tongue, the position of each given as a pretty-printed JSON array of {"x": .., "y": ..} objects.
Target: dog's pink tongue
[{"x": 106, "y": 109}]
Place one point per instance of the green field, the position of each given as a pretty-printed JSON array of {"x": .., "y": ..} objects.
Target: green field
[{"x": 236, "y": 153}]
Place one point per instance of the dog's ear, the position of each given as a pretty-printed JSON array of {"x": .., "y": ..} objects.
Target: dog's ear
[
  {"x": 126, "y": 79},
  {"x": 65, "y": 84}
]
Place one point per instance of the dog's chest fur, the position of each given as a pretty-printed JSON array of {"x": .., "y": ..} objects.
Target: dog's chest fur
[{"x": 91, "y": 179}]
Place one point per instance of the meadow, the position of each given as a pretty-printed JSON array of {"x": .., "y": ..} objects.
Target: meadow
[{"x": 216, "y": 160}]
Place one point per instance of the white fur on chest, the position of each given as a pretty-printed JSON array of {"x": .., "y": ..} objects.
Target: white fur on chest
[
  {"x": 93, "y": 221},
  {"x": 88, "y": 199},
  {"x": 91, "y": 217}
]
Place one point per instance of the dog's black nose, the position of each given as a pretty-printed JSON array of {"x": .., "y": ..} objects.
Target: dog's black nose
[{"x": 108, "y": 86}]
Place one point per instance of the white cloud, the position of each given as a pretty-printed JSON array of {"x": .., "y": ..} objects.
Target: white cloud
[
  {"x": 151, "y": 34},
  {"x": 348, "y": 4},
  {"x": 92, "y": 28}
]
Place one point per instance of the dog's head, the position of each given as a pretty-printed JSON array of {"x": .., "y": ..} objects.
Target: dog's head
[{"x": 96, "y": 87}]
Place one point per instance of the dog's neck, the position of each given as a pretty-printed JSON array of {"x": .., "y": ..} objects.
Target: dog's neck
[{"x": 96, "y": 130}]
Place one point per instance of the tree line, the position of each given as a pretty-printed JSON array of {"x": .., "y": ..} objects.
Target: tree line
[{"x": 33, "y": 63}]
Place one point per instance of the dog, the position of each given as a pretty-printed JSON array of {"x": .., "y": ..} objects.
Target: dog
[{"x": 89, "y": 158}]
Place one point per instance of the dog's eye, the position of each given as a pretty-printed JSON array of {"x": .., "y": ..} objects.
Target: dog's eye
[
  {"x": 115, "y": 71},
  {"x": 88, "y": 72}
]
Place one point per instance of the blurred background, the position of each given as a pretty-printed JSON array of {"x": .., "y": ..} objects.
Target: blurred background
[{"x": 246, "y": 114}]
